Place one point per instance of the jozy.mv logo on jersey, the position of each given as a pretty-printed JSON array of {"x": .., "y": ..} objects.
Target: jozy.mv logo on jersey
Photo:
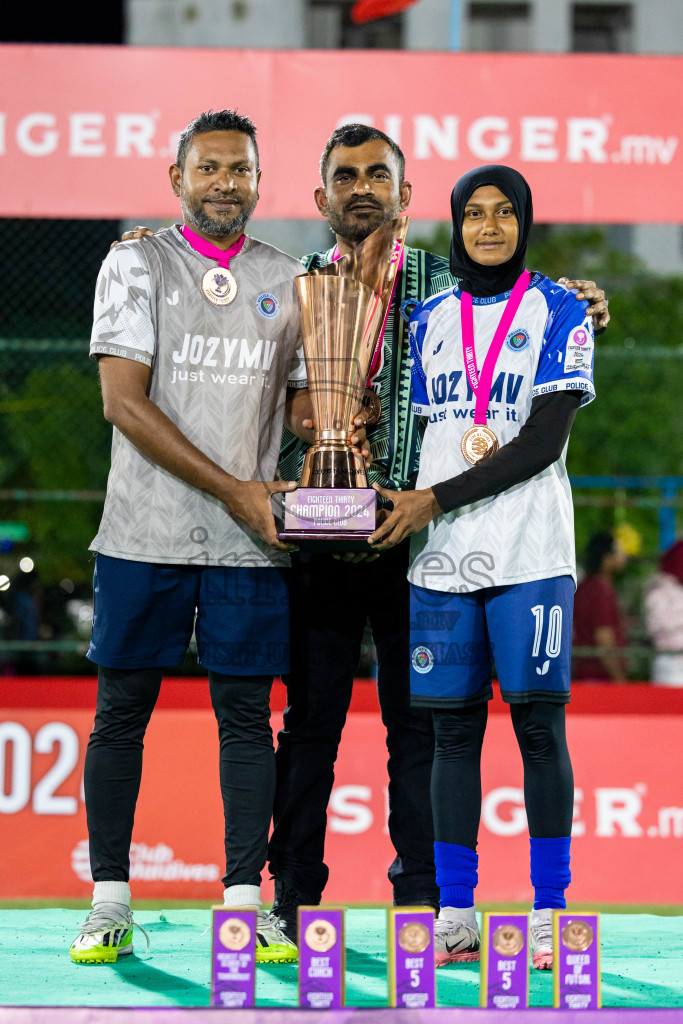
[{"x": 223, "y": 353}]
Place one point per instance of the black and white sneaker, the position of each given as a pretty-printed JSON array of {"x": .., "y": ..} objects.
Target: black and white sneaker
[{"x": 456, "y": 938}]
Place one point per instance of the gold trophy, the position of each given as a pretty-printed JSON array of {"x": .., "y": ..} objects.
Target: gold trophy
[{"x": 344, "y": 308}]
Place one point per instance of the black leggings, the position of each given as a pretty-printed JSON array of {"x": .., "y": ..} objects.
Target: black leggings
[
  {"x": 113, "y": 768},
  {"x": 456, "y": 775}
]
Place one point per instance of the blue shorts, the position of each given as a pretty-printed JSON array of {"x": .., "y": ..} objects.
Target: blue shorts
[
  {"x": 525, "y": 629},
  {"x": 144, "y": 616}
]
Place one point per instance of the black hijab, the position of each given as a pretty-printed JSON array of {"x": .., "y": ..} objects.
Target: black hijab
[{"x": 477, "y": 279}]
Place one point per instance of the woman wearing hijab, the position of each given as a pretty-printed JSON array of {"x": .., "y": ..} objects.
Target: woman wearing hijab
[{"x": 500, "y": 366}]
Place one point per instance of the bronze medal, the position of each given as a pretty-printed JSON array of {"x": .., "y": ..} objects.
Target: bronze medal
[
  {"x": 219, "y": 286},
  {"x": 577, "y": 936},
  {"x": 413, "y": 937},
  {"x": 371, "y": 406},
  {"x": 320, "y": 935},
  {"x": 508, "y": 940},
  {"x": 234, "y": 933},
  {"x": 478, "y": 443}
]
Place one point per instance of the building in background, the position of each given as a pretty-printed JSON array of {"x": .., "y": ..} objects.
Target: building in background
[{"x": 537, "y": 26}]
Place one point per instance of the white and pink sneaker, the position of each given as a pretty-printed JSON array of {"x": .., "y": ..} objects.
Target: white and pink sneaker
[
  {"x": 541, "y": 939},
  {"x": 456, "y": 936}
]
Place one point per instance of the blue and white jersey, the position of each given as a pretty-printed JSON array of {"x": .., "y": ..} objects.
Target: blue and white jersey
[{"x": 527, "y": 532}]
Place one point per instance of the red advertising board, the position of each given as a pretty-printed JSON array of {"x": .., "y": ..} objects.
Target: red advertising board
[
  {"x": 628, "y": 825},
  {"x": 598, "y": 137}
]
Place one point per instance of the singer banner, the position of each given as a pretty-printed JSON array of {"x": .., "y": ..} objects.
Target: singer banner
[
  {"x": 628, "y": 813},
  {"x": 89, "y": 131}
]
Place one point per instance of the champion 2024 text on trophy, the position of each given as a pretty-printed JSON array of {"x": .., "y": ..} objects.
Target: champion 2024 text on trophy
[{"x": 344, "y": 309}]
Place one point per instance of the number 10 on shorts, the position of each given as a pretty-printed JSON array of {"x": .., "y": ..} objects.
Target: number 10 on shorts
[{"x": 553, "y": 636}]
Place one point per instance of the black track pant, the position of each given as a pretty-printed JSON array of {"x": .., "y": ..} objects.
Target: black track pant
[
  {"x": 330, "y": 603},
  {"x": 113, "y": 769},
  {"x": 456, "y": 776}
]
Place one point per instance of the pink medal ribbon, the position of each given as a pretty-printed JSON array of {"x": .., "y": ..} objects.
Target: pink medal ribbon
[
  {"x": 479, "y": 442},
  {"x": 218, "y": 283},
  {"x": 204, "y": 248}
]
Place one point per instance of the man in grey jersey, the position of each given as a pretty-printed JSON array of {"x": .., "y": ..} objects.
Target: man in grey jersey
[{"x": 196, "y": 332}]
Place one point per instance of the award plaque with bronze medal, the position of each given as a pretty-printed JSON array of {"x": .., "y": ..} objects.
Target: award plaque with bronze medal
[
  {"x": 577, "y": 980},
  {"x": 504, "y": 970},
  {"x": 322, "y": 957},
  {"x": 480, "y": 442}
]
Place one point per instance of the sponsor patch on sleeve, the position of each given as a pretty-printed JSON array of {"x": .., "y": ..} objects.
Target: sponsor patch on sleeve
[{"x": 579, "y": 352}]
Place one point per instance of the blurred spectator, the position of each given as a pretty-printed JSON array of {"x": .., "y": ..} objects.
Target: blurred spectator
[
  {"x": 664, "y": 616},
  {"x": 24, "y": 610},
  {"x": 597, "y": 618}
]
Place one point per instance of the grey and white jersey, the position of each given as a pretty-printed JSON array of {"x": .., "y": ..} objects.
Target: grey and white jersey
[{"x": 220, "y": 373}]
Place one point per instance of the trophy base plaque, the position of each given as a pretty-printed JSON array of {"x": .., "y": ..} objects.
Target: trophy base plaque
[
  {"x": 333, "y": 508},
  {"x": 325, "y": 519}
]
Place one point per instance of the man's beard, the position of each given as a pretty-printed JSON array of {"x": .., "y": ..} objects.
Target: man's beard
[
  {"x": 215, "y": 227},
  {"x": 357, "y": 231}
]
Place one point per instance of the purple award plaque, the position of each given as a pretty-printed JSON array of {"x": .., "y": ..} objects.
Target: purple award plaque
[
  {"x": 321, "y": 957},
  {"x": 504, "y": 977},
  {"x": 412, "y": 977},
  {"x": 329, "y": 511},
  {"x": 233, "y": 957},
  {"x": 576, "y": 964}
]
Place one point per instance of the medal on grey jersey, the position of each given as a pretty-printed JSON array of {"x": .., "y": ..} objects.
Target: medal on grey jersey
[
  {"x": 219, "y": 286},
  {"x": 218, "y": 283}
]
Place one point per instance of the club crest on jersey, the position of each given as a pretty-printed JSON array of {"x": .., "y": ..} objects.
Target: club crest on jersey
[
  {"x": 518, "y": 340},
  {"x": 267, "y": 305},
  {"x": 408, "y": 308},
  {"x": 423, "y": 660}
]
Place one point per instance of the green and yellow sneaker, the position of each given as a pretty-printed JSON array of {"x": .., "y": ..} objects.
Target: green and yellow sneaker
[
  {"x": 106, "y": 934},
  {"x": 272, "y": 945}
]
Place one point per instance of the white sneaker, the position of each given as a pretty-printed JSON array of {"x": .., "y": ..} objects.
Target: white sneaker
[
  {"x": 272, "y": 945},
  {"x": 541, "y": 939},
  {"x": 106, "y": 934},
  {"x": 456, "y": 940}
]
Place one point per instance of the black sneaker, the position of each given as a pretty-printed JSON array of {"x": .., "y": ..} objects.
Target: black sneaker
[
  {"x": 419, "y": 901},
  {"x": 287, "y": 901}
]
